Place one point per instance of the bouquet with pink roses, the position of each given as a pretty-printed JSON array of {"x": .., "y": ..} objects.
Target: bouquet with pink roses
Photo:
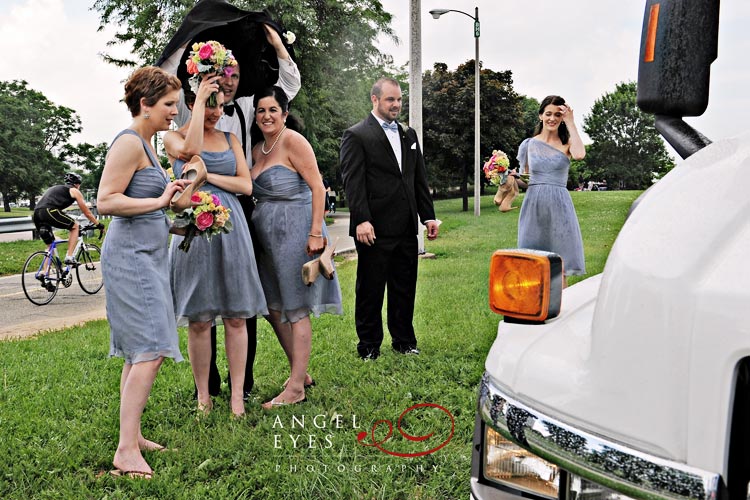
[
  {"x": 205, "y": 58},
  {"x": 496, "y": 168},
  {"x": 208, "y": 218}
]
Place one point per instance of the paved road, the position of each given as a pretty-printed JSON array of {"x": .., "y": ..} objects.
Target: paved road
[
  {"x": 72, "y": 306},
  {"x": 25, "y": 235}
]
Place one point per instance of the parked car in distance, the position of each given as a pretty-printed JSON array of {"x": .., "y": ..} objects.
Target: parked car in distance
[{"x": 595, "y": 186}]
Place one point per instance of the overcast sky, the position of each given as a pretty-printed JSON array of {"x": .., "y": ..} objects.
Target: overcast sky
[{"x": 579, "y": 49}]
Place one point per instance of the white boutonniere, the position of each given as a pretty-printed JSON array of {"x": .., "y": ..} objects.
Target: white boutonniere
[
  {"x": 404, "y": 130},
  {"x": 289, "y": 37}
]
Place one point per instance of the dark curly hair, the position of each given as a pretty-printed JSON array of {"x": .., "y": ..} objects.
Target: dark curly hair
[{"x": 292, "y": 122}]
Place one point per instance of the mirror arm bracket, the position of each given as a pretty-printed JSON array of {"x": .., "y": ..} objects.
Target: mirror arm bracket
[{"x": 681, "y": 136}]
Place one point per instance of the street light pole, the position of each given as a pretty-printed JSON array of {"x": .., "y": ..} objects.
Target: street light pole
[
  {"x": 477, "y": 159},
  {"x": 436, "y": 13}
]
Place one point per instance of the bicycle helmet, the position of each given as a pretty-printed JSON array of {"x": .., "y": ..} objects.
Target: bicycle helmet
[{"x": 72, "y": 178}]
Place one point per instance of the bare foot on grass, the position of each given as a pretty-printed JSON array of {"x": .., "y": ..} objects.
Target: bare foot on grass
[{"x": 131, "y": 464}]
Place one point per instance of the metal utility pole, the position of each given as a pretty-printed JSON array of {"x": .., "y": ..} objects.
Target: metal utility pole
[
  {"x": 415, "y": 67},
  {"x": 436, "y": 13}
]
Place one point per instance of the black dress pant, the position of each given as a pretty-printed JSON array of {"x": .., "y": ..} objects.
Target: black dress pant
[
  {"x": 390, "y": 263},
  {"x": 214, "y": 378}
]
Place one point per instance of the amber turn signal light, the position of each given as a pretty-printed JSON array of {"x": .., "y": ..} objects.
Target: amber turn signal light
[{"x": 526, "y": 284}]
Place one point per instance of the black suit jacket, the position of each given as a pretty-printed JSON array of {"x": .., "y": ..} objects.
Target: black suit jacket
[{"x": 376, "y": 190}]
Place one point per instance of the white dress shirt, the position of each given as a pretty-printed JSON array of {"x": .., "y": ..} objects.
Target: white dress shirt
[{"x": 393, "y": 138}]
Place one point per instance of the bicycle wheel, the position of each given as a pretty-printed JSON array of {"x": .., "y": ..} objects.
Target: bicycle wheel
[
  {"x": 89, "y": 269},
  {"x": 40, "y": 287}
]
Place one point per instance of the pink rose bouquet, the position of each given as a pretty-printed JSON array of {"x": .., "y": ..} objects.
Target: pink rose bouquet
[
  {"x": 207, "y": 219},
  {"x": 205, "y": 58},
  {"x": 496, "y": 168}
]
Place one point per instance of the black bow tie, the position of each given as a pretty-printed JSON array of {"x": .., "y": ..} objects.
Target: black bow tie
[{"x": 229, "y": 109}]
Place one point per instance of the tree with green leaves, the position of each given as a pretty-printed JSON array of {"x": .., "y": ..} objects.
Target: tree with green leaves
[
  {"x": 335, "y": 51},
  {"x": 530, "y": 112},
  {"x": 627, "y": 151},
  {"x": 448, "y": 110},
  {"x": 33, "y": 134}
]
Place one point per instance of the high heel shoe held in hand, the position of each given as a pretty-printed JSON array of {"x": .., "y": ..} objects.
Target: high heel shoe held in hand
[{"x": 195, "y": 171}]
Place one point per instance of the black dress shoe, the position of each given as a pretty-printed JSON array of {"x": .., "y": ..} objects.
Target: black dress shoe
[
  {"x": 370, "y": 355},
  {"x": 407, "y": 350}
]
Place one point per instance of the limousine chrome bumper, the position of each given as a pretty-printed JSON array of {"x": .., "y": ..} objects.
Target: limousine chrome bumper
[{"x": 607, "y": 463}]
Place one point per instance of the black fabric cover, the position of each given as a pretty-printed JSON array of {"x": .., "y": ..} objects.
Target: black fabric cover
[{"x": 238, "y": 30}]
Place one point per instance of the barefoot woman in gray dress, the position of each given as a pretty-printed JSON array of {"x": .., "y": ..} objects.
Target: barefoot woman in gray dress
[
  {"x": 135, "y": 190},
  {"x": 548, "y": 219}
]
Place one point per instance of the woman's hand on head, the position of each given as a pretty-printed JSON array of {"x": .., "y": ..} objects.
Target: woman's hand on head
[
  {"x": 209, "y": 85},
  {"x": 567, "y": 114}
]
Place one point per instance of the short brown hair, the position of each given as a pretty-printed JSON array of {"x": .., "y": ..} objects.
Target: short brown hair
[
  {"x": 377, "y": 88},
  {"x": 149, "y": 83}
]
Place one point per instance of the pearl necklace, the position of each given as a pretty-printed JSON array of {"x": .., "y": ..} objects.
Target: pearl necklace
[{"x": 263, "y": 146}]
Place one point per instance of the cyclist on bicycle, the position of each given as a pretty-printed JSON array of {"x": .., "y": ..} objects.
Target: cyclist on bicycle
[{"x": 49, "y": 212}]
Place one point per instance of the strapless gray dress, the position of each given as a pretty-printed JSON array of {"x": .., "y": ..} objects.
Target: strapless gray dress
[
  {"x": 217, "y": 278},
  {"x": 282, "y": 218},
  {"x": 548, "y": 219},
  {"x": 135, "y": 268}
]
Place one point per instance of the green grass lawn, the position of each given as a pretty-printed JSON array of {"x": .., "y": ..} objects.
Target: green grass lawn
[
  {"x": 59, "y": 393},
  {"x": 16, "y": 212}
]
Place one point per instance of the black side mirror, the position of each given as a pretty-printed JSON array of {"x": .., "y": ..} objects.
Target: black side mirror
[{"x": 678, "y": 44}]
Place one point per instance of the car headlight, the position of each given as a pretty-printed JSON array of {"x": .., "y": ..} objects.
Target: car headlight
[
  {"x": 512, "y": 466},
  {"x": 517, "y": 468},
  {"x": 583, "y": 489},
  {"x": 526, "y": 284}
]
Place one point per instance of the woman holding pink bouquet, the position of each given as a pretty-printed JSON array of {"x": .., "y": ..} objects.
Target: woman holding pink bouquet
[{"x": 215, "y": 277}]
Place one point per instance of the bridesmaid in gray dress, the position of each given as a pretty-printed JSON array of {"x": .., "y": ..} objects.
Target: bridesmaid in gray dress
[
  {"x": 548, "y": 219},
  {"x": 289, "y": 223},
  {"x": 135, "y": 190},
  {"x": 216, "y": 278}
]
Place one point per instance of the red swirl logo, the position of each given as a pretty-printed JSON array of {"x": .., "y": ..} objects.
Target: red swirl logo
[{"x": 377, "y": 444}]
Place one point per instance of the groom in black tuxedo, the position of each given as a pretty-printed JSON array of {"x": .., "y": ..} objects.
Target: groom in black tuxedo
[{"x": 385, "y": 180}]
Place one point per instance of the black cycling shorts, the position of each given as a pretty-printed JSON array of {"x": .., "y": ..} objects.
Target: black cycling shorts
[{"x": 47, "y": 218}]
